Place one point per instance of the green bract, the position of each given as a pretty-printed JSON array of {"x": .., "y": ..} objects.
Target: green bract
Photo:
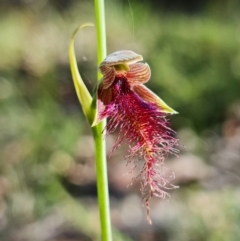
[{"x": 83, "y": 94}]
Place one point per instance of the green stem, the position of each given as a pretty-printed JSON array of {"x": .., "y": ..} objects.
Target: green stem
[
  {"x": 101, "y": 32},
  {"x": 102, "y": 183},
  {"x": 100, "y": 143}
]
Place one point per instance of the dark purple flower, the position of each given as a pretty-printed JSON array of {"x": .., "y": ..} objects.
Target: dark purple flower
[{"x": 142, "y": 118}]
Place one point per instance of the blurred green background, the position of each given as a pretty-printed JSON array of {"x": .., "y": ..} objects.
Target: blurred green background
[{"x": 47, "y": 173}]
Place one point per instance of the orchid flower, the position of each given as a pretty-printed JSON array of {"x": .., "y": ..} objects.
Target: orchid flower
[{"x": 142, "y": 119}]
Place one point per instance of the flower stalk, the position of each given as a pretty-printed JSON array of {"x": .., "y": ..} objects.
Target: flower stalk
[{"x": 100, "y": 142}]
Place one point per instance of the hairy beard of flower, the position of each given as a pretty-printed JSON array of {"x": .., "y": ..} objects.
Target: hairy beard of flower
[{"x": 145, "y": 127}]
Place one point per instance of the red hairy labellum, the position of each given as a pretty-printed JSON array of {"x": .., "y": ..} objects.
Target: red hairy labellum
[{"x": 142, "y": 118}]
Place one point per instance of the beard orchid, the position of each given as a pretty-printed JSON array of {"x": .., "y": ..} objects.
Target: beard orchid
[{"x": 142, "y": 119}]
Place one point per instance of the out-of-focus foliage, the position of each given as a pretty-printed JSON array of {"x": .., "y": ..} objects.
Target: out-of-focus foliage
[{"x": 45, "y": 147}]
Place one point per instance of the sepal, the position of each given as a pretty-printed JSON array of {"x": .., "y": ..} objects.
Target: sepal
[{"x": 147, "y": 95}]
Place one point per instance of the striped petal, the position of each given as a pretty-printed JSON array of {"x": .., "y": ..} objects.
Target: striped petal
[
  {"x": 138, "y": 73},
  {"x": 108, "y": 76},
  {"x": 147, "y": 95},
  {"x": 117, "y": 63}
]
